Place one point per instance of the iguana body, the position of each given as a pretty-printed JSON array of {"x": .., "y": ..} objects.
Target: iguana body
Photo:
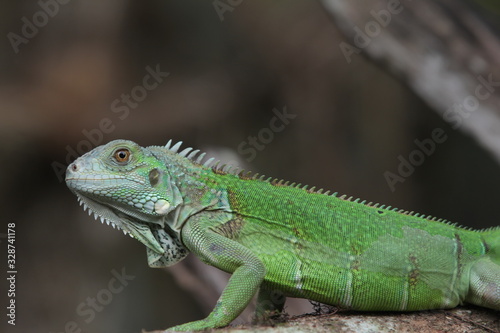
[{"x": 280, "y": 239}]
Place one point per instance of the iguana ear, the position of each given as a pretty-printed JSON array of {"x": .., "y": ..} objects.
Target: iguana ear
[
  {"x": 154, "y": 177},
  {"x": 171, "y": 197},
  {"x": 174, "y": 250},
  {"x": 161, "y": 206}
]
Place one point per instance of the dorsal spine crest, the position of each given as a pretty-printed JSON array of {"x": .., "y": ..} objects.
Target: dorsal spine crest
[{"x": 223, "y": 169}]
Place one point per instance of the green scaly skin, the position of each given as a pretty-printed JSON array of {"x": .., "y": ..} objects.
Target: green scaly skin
[{"x": 283, "y": 240}]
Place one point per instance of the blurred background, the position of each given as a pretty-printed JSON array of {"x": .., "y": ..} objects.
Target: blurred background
[{"x": 344, "y": 95}]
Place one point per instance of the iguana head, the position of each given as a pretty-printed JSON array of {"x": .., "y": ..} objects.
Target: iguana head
[{"x": 128, "y": 186}]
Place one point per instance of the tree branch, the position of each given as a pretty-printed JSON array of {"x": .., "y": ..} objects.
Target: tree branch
[{"x": 442, "y": 50}]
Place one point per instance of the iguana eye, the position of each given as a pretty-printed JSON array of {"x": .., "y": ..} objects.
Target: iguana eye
[{"x": 122, "y": 155}]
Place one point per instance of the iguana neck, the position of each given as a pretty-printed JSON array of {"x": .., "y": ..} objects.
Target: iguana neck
[{"x": 195, "y": 195}]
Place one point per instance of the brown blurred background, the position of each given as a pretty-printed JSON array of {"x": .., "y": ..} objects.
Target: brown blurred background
[{"x": 230, "y": 69}]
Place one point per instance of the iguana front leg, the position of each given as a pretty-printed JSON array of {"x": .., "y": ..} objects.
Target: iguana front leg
[{"x": 230, "y": 256}]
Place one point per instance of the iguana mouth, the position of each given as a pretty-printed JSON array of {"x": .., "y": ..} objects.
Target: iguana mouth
[
  {"x": 118, "y": 220},
  {"x": 96, "y": 216}
]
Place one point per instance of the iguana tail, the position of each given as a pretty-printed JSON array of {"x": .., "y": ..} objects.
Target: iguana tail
[{"x": 484, "y": 284}]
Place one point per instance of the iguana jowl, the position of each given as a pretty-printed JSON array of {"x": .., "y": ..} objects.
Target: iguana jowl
[{"x": 279, "y": 238}]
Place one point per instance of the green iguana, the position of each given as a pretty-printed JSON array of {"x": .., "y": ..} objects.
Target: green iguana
[{"x": 280, "y": 238}]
